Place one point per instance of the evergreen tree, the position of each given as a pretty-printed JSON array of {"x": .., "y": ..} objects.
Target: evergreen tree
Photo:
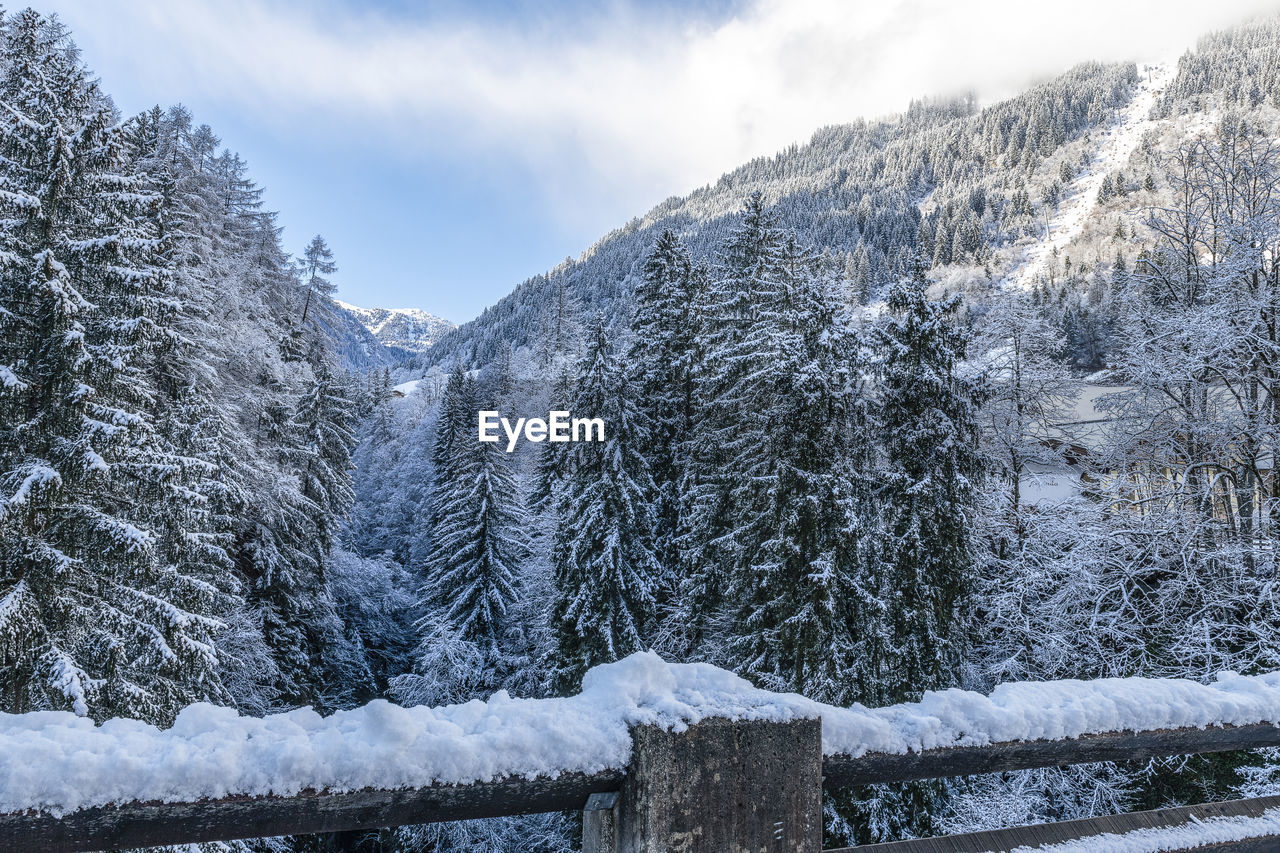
[
  {"x": 801, "y": 621},
  {"x": 662, "y": 359},
  {"x": 728, "y": 310},
  {"x": 289, "y": 552},
  {"x": 455, "y": 424},
  {"x": 605, "y": 569},
  {"x": 323, "y": 419},
  {"x": 927, "y": 421},
  {"x": 860, "y": 275},
  {"x": 480, "y": 544},
  {"x": 317, "y": 263},
  {"x": 470, "y": 640},
  {"x": 96, "y": 614},
  {"x": 553, "y": 458}
]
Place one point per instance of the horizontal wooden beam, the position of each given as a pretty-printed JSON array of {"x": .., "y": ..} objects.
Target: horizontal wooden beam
[
  {"x": 840, "y": 770},
  {"x": 1003, "y": 840},
  {"x": 154, "y": 824}
]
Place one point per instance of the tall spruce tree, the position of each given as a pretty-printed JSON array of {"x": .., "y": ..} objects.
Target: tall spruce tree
[
  {"x": 553, "y": 458},
  {"x": 927, "y": 419},
  {"x": 662, "y": 359},
  {"x": 454, "y": 423},
  {"x": 94, "y": 615},
  {"x": 605, "y": 569},
  {"x": 480, "y": 544},
  {"x": 317, "y": 263},
  {"x": 728, "y": 309},
  {"x": 470, "y": 640},
  {"x": 801, "y": 621},
  {"x": 290, "y": 551}
]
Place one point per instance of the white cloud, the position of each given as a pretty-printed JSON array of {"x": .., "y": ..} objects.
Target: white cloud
[{"x": 621, "y": 112}]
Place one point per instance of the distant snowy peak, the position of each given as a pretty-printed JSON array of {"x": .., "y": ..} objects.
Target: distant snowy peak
[{"x": 403, "y": 328}]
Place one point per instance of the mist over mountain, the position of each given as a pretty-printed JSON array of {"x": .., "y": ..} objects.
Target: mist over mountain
[
  {"x": 866, "y": 193},
  {"x": 970, "y": 187}
]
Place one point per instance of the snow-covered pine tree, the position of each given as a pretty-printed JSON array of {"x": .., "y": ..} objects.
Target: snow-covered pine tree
[
  {"x": 860, "y": 275},
  {"x": 605, "y": 569},
  {"x": 440, "y": 440},
  {"x": 503, "y": 382},
  {"x": 323, "y": 419},
  {"x": 726, "y": 312},
  {"x": 481, "y": 542},
  {"x": 192, "y": 507},
  {"x": 926, "y": 416},
  {"x": 553, "y": 458},
  {"x": 475, "y": 616},
  {"x": 298, "y": 613},
  {"x": 469, "y": 643},
  {"x": 94, "y": 614},
  {"x": 662, "y": 359},
  {"x": 317, "y": 263},
  {"x": 559, "y": 328},
  {"x": 803, "y": 620},
  {"x": 455, "y": 425},
  {"x": 211, "y": 386},
  {"x": 304, "y": 430}
]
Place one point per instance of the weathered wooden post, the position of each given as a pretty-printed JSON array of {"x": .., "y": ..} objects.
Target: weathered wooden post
[{"x": 719, "y": 787}]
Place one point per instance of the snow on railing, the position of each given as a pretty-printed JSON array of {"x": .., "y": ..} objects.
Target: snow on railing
[{"x": 58, "y": 763}]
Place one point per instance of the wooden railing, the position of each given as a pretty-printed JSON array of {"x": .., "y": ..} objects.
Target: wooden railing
[{"x": 717, "y": 786}]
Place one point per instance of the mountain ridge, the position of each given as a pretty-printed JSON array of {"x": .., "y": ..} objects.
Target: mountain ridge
[
  {"x": 853, "y": 191},
  {"x": 408, "y": 330}
]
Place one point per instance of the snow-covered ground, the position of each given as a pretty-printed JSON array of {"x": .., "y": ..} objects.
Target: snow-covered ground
[
  {"x": 1081, "y": 195},
  {"x": 406, "y": 388},
  {"x": 58, "y": 762}
]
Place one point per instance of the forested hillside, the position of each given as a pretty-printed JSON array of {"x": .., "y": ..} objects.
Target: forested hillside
[
  {"x": 175, "y": 435},
  {"x": 855, "y": 446},
  {"x": 946, "y": 179}
]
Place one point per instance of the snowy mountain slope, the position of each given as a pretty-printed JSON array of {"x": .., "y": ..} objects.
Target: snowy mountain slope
[
  {"x": 853, "y": 191},
  {"x": 358, "y": 349},
  {"x": 979, "y": 194},
  {"x": 1081, "y": 196},
  {"x": 409, "y": 329}
]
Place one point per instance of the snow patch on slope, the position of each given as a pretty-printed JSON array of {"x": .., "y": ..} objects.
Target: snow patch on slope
[
  {"x": 404, "y": 389},
  {"x": 1081, "y": 195},
  {"x": 58, "y": 762}
]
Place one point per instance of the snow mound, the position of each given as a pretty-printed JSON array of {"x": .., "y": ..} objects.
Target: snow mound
[{"x": 57, "y": 762}]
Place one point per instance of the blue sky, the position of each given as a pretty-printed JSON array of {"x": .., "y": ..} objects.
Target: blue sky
[{"x": 449, "y": 150}]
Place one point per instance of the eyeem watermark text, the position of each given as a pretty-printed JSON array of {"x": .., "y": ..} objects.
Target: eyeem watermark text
[{"x": 558, "y": 426}]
